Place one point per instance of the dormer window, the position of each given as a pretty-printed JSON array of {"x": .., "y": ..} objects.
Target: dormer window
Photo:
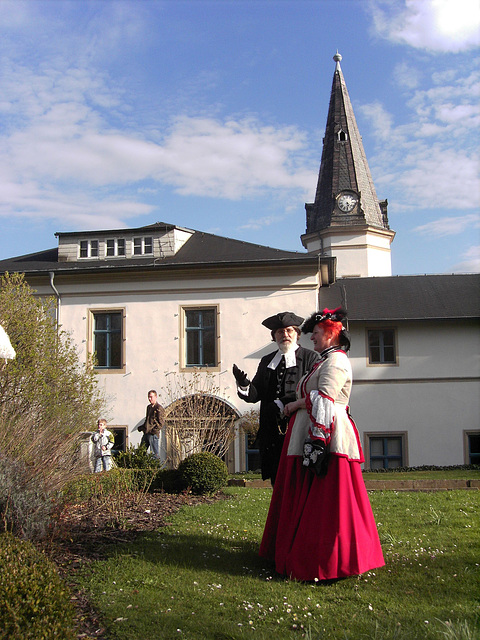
[
  {"x": 342, "y": 136},
  {"x": 115, "y": 247},
  {"x": 88, "y": 248},
  {"x": 143, "y": 246}
]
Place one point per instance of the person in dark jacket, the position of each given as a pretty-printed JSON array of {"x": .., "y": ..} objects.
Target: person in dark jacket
[
  {"x": 155, "y": 417},
  {"x": 274, "y": 385}
]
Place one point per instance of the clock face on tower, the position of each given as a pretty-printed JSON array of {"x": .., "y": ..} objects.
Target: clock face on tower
[{"x": 346, "y": 202}]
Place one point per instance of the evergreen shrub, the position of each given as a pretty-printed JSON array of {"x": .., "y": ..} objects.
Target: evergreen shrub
[
  {"x": 35, "y": 602},
  {"x": 109, "y": 483},
  {"x": 137, "y": 458},
  {"x": 167, "y": 480},
  {"x": 203, "y": 472}
]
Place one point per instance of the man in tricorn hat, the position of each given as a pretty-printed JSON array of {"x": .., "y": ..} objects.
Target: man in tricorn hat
[{"x": 274, "y": 386}]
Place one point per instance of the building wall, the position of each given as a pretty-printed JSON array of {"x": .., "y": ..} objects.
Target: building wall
[
  {"x": 359, "y": 252},
  {"x": 152, "y": 329},
  {"x": 432, "y": 394}
]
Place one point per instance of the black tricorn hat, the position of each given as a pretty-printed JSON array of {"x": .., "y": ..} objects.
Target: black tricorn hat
[{"x": 282, "y": 320}]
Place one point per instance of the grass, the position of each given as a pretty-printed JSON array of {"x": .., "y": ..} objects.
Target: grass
[{"x": 201, "y": 578}]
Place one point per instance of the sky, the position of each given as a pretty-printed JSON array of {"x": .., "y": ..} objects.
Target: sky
[{"x": 210, "y": 114}]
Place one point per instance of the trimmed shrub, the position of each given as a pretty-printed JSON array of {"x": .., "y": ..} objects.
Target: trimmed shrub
[
  {"x": 167, "y": 480},
  {"x": 203, "y": 472},
  {"x": 110, "y": 483},
  {"x": 35, "y": 602}
]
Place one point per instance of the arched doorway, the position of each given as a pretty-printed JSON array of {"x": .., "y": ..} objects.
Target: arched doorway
[{"x": 198, "y": 422}]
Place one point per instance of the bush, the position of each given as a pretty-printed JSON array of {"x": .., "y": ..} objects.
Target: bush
[
  {"x": 25, "y": 505},
  {"x": 35, "y": 602},
  {"x": 203, "y": 472},
  {"x": 168, "y": 480},
  {"x": 112, "y": 483},
  {"x": 48, "y": 395},
  {"x": 137, "y": 458}
]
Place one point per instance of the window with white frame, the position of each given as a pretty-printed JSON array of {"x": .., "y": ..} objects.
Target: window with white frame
[
  {"x": 385, "y": 450},
  {"x": 200, "y": 344},
  {"x": 143, "y": 246},
  {"x": 88, "y": 249},
  {"x": 115, "y": 247},
  {"x": 108, "y": 338},
  {"x": 381, "y": 346}
]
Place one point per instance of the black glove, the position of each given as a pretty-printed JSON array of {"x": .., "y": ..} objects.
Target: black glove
[
  {"x": 240, "y": 377},
  {"x": 315, "y": 456}
]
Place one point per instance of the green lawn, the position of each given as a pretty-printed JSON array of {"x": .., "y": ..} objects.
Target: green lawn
[{"x": 201, "y": 577}]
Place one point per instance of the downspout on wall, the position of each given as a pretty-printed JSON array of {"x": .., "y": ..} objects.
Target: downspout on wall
[{"x": 57, "y": 295}]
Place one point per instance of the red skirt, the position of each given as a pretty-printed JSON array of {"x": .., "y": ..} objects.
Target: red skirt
[{"x": 320, "y": 528}]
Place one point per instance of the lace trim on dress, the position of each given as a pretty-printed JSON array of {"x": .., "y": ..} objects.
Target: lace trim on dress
[{"x": 321, "y": 410}]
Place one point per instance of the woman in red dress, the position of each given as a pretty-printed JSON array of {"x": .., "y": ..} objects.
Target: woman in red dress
[{"x": 320, "y": 525}]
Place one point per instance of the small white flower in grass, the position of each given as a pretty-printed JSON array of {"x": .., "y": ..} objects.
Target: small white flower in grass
[
  {"x": 148, "y": 511},
  {"x": 370, "y": 607}
]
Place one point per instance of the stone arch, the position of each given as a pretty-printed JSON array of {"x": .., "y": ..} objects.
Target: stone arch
[{"x": 198, "y": 422}]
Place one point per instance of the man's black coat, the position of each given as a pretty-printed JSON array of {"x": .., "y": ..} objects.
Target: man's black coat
[{"x": 264, "y": 388}]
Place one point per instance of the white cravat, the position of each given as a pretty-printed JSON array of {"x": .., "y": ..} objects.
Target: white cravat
[{"x": 290, "y": 359}]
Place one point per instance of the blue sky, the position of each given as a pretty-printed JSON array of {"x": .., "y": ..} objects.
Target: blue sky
[{"x": 210, "y": 114}]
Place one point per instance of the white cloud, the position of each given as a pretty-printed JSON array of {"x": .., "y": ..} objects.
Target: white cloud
[
  {"x": 60, "y": 139},
  {"x": 436, "y": 25},
  {"x": 471, "y": 264},
  {"x": 434, "y": 177},
  {"x": 381, "y": 121},
  {"x": 406, "y": 75},
  {"x": 258, "y": 223},
  {"x": 232, "y": 159},
  {"x": 430, "y": 160},
  {"x": 450, "y": 226}
]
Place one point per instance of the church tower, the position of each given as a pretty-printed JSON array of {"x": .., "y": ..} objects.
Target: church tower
[{"x": 347, "y": 220}]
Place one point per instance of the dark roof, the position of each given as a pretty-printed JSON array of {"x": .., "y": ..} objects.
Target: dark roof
[
  {"x": 406, "y": 297},
  {"x": 156, "y": 226},
  {"x": 203, "y": 249},
  {"x": 343, "y": 166}
]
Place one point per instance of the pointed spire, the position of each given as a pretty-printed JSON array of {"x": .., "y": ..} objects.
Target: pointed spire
[{"x": 344, "y": 169}]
